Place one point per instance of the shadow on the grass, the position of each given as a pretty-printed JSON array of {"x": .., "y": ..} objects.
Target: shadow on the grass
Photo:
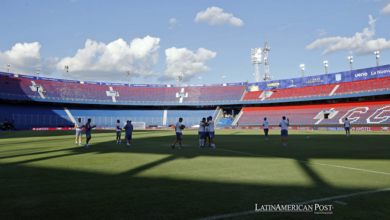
[{"x": 35, "y": 192}]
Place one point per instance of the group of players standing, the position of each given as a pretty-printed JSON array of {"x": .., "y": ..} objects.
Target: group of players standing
[
  {"x": 206, "y": 131},
  {"x": 88, "y": 128}
]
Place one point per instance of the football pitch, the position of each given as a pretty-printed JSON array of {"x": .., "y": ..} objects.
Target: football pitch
[{"x": 43, "y": 175}]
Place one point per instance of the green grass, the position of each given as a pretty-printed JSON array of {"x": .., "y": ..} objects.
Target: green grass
[{"x": 43, "y": 175}]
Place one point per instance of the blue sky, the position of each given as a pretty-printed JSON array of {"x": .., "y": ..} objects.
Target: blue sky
[{"x": 61, "y": 28}]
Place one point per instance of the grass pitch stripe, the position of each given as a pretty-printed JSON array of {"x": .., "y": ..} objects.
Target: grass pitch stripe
[
  {"x": 298, "y": 203},
  {"x": 322, "y": 164}
]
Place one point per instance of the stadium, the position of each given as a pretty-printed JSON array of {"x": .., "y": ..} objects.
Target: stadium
[
  {"x": 184, "y": 150},
  {"x": 316, "y": 105}
]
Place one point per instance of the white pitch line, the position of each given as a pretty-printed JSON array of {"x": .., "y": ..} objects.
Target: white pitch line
[
  {"x": 322, "y": 164},
  {"x": 298, "y": 203}
]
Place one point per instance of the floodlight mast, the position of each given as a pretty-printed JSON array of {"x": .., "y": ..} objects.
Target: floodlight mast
[
  {"x": 266, "y": 49},
  {"x": 350, "y": 62},
  {"x": 377, "y": 57},
  {"x": 200, "y": 80},
  {"x": 8, "y": 67},
  {"x": 179, "y": 79},
  {"x": 326, "y": 66},
  {"x": 38, "y": 72},
  {"x": 256, "y": 60},
  {"x": 303, "y": 69},
  {"x": 66, "y": 68},
  {"x": 224, "y": 79},
  {"x": 128, "y": 77}
]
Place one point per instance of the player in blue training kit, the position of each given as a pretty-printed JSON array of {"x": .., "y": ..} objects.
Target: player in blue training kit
[
  {"x": 265, "y": 124},
  {"x": 129, "y": 132},
  {"x": 201, "y": 132},
  {"x": 284, "y": 132},
  {"x": 179, "y": 134},
  {"x": 88, "y": 129},
  {"x": 118, "y": 132},
  {"x": 347, "y": 126}
]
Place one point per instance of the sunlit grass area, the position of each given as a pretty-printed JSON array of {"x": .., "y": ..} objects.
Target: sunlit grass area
[{"x": 45, "y": 176}]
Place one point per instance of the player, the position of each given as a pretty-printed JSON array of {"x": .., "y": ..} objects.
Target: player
[
  {"x": 211, "y": 132},
  {"x": 79, "y": 130},
  {"x": 265, "y": 124},
  {"x": 206, "y": 134},
  {"x": 118, "y": 132},
  {"x": 129, "y": 132},
  {"x": 201, "y": 132},
  {"x": 179, "y": 135},
  {"x": 347, "y": 127},
  {"x": 88, "y": 129},
  {"x": 284, "y": 132}
]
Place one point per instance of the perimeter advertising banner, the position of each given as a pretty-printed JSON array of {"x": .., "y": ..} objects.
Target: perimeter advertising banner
[
  {"x": 28, "y": 77},
  {"x": 234, "y": 128},
  {"x": 340, "y": 77}
]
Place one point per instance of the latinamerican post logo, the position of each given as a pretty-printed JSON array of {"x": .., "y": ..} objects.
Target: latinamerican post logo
[{"x": 315, "y": 208}]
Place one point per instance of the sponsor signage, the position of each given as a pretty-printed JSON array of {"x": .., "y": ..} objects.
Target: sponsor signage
[{"x": 340, "y": 77}]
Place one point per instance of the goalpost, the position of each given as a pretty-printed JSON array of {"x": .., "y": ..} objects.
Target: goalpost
[{"x": 138, "y": 125}]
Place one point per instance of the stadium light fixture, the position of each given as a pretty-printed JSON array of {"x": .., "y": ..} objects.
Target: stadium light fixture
[
  {"x": 377, "y": 57},
  {"x": 179, "y": 79},
  {"x": 267, "y": 75},
  {"x": 66, "y": 68},
  {"x": 200, "y": 80},
  {"x": 326, "y": 66},
  {"x": 256, "y": 60},
  {"x": 8, "y": 67},
  {"x": 38, "y": 72},
  {"x": 350, "y": 62},
  {"x": 224, "y": 79},
  {"x": 128, "y": 77},
  {"x": 303, "y": 69}
]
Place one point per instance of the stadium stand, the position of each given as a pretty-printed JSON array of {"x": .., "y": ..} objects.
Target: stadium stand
[
  {"x": 190, "y": 117},
  {"x": 26, "y": 116},
  {"x": 98, "y": 93},
  {"x": 371, "y": 85},
  {"x": 370, "y": 112},
  {"x": 226, "y": 122}
]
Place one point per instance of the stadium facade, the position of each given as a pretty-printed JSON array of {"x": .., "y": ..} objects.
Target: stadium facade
[{"x": 362, "y": 95}]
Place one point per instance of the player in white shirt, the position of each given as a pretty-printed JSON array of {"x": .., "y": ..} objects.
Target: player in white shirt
[
  {"x": 265, "y": 125},
  {"x": 347, "y": 126},
  {"x": 79, "y": 130},
  {"x": 284, "y": 132},
  {"x": 206, "y": 134},
  {"x": 211, "y": 133},
  {"x": 179, "y": 135},
  {"x": 201, "y": 132},
  {"x": 118, "y": 132}
]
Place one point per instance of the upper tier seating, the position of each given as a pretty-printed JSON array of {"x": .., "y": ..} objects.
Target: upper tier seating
[
  {"x": 324, "y": 90},
  {"x": 357, "y": 112},
  {"x": 97, "y": 93}
]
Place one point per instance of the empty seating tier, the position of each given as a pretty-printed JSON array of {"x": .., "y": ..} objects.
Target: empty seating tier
[{"x": 372, "y": 112}]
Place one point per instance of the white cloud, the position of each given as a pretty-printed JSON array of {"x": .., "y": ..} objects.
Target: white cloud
[
  {"x": 172, "y": 23},
  {"x": 25, "y": 59},
  {"x": 183, "y": 62},
  {"x": 386, "y": 9},
  {"x": 321, "y": 32},
  {"x": 215, "y": 15},
  {"x": 360, "y": 44},
  {"x": 98, "y": 61}
]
